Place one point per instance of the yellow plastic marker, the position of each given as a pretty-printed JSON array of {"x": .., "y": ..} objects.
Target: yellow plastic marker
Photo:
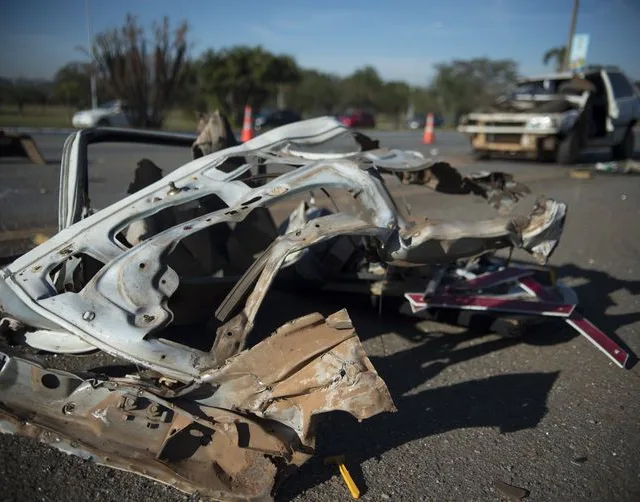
[
  {"x": 39, "y": 239},
  {"x": 339, "y": 461}
]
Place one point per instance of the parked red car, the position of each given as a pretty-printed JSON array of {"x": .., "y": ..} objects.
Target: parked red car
[{"x": 358, "y": 119}]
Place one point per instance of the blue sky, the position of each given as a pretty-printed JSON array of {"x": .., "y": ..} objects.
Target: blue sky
[{"x": 401, "y": 38}]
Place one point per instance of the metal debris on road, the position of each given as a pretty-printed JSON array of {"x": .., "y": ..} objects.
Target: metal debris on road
[
  {"x": 510, "y": 491},
  {"x": 171, "y": 279},
  {"x": 339, "y": 460}
]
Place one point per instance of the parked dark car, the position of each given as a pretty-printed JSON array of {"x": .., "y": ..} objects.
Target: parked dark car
[
  {"x": 275, "y": 118},
  {"x": 358, "y": 119}
]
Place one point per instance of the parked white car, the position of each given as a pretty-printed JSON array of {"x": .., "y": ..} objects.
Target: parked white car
[{"x": 107, "y": 114}]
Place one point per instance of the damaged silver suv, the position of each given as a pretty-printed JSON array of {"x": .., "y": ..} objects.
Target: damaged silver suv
[{"x": 555, "y": 117}]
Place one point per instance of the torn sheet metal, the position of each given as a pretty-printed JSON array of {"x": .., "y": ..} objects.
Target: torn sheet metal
[
  {"x": 124, "y": 307},
  {"x": 529, "y": 298},
  {"x": 228, "y": 442},
  {"x": 212, "y": 415}
]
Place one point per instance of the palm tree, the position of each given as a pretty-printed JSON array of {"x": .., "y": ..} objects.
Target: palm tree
[{"x": 556, "y": 55}]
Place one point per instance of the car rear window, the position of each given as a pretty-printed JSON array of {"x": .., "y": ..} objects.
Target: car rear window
[{"x": 621, "y": 86}]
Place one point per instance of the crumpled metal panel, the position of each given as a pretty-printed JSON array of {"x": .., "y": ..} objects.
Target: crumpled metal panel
[
  {"x": 125, "y": 303},
  {"x": 223, "y": 421},
  {"x": 228, "y": 445}
]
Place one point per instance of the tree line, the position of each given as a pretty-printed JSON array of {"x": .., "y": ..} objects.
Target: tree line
[{"x": 152, "y": 72}]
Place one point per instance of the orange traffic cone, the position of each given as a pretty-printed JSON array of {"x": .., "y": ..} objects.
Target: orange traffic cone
[
  {"x": 429, "y": 136},
  {"x": 247, "y": 127}
]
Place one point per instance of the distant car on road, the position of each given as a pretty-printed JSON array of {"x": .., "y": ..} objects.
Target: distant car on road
[
  {"x": 275, "y": 118},
  {"x": 418, "y": 120},
  {"x": 108, "y": 114},
  {"x": 358, "y": 119}
]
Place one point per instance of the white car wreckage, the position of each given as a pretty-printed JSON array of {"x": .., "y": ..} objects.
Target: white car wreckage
[{"x": 227, "y": 421}]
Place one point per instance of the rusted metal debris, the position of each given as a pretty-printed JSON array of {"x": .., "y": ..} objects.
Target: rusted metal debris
[
  {"x": 141, "y": 279},
  {"x": 231, "y": 439}
]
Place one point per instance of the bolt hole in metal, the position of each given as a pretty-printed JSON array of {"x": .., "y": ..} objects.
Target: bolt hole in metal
[
  {"x": 50, "y": 381},
  {"x": 69, "y": 408},
  {"x": 148, "y": 318},
  {"x": 229, "y": 333},
  {"x": 142, "y": 265}
]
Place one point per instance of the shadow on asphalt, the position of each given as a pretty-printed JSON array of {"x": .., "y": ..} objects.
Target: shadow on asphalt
[
  {"x": 510, "y": 402},
  {"x": 595, "y": 297}
]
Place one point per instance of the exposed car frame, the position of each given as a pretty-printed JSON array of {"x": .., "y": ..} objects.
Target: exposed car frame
[{"x": 122, "y": 308}]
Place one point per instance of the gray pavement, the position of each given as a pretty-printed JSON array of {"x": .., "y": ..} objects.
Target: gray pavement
[{"x": 547, "y": 412}]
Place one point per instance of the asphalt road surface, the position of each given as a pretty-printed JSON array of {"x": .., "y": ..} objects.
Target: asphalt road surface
[{"x": 546, "y": 412}]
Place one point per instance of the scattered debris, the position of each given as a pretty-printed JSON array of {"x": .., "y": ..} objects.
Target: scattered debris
[
  {"x": 581, "y": 173},
  {"x": 216, "y": 406},
  {"x": 510, "y": 491},
  {"x": 339, "y": 460},
  {"x": 20, "y": 145},
  {"x": 579, "y": 460},
  {"x": 622, "y": 167}
]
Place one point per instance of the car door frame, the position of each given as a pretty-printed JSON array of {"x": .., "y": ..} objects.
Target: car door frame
[{"x": 621, "y": 109}]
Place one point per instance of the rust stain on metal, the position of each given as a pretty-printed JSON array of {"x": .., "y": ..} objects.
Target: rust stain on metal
[{"x": 219, "y": 444}]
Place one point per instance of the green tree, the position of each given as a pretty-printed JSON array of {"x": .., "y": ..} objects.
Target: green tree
[
  {"x": 463, "y": 85},
  {"x": 145, "y": 73},
  {"x": 245, "y": 75},
  {"x": 317, "y": 93},
  {"x": 393, "y": 98},
  {"x": 362, "y": 89},
  {"x": 72, "y": 85},
  {"x": 555, "y": 56},
  {"x": 21, "y": 92},
  {"x": 425, "y": 100}
]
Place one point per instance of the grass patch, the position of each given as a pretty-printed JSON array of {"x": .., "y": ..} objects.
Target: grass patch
[{"x": 36, "y": 116}]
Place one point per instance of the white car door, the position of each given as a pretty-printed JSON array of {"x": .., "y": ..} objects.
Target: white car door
[{"x": 623, "y": 108}]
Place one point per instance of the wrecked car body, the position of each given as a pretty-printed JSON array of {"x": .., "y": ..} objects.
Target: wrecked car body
[
  {"x": 171, "y": 278},
  {"x": 257, "y": 415},
  {"x": 554, "y": 117}
]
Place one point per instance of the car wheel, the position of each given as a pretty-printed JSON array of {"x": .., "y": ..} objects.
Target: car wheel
[
  {"x": 103, "y": 123},
  {"x": 569, "y": 148},
  {"x": 624, "y": 150}
]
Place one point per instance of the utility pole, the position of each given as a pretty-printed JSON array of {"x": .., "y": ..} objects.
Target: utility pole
[
  {"x": 94, "y": 92},
  {"x": 572, "y": 30}
]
